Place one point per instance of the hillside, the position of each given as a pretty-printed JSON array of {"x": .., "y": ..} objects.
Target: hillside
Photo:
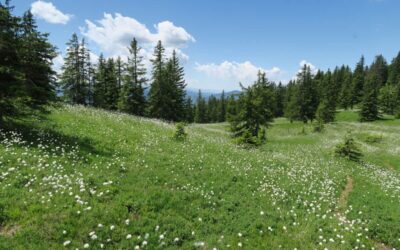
[{"x": 86, "y": 178}]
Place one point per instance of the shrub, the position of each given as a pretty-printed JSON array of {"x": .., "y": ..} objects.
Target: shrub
[
  {"x": 180, "y": 133},
  {"x": 348, "y": 150},
  {"x": 3, "y": 216}
]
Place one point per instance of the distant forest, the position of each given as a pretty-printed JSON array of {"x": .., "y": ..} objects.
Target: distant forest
[{"x": 27, "y": 81}]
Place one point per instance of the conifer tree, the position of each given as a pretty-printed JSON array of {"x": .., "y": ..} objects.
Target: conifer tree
[
  {"x": 100, "y": 84},
  {"x": 189, "y": 110},
  {"x": 394, "y": 71},
  {"x": 345, "y": 97},
  {"x": 158, "y": 98},
  {"x": 132, "y": 99},
  {"x": 369, "y": 106},
  {"x": 174, "y": 77},
  {"x": 358, "y": 83},
  {"x": 75, "y": 71},
  {"x": 280, "y": 100},
  {"x": 222, "y": 108},
  {"x": 307, "y": 95},
  {"x": 201, "y": 110},
  {"x": 388, "y": 99},
  {"x": 255, "y": 112},
  {"x": 231, "y": 108},
  {"x": 111, "y": 80}
]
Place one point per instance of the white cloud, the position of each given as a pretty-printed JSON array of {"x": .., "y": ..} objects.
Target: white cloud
[
  {"x": 48, "y": 12},
  {"x": 114, "y": 33},
  {"x": 58, "y": 61},
  {"x": 314, "y": 69},
  {"x": 235, "y": 72}
]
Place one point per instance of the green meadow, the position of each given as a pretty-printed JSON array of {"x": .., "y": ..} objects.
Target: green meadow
[{"x": 83, "y": 178}]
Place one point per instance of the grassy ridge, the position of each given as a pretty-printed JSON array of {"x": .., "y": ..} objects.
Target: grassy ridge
[{"x": 88, "y": 178}]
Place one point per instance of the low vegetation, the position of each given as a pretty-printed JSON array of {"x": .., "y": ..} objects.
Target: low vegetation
[{"x": 84, "y": 178}]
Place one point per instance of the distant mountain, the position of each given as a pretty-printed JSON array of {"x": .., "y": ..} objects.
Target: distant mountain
[{"x": 193, "y": 93}]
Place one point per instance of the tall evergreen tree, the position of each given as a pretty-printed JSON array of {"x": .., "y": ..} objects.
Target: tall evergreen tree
[
  {"x": 189, "y": 110},
  {"x": 26, "y": 76},
  {"x": 111, "y": 80},
  {"x": 388, "y": 99},
  {"x": 280, "y": 97},
  {"x": 100, "y": 84},
  {"x": 358, "y": 83},
  {"x": 201, "y": 110},
  {"x": 327, "y": 107},
  {"x": 394, "y": 71},
  {"x": 222, "y": 108},
  {"x": 369, "y": 106},
  {"x": 75, "y": 71},
  {"x": 174, "y": 75},
  {"x": 158, "y": 98},
  {"x": 307, "y": 95},
  {"x": 345, "y": 98},
  {"x": 132, "y": 99}
]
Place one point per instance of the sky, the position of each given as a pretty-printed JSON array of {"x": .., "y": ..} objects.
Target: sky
[{"x": 221, "y": 43}]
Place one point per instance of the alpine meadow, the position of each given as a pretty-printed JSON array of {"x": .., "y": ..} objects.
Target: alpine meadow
[{"x": 114, "y": 135}]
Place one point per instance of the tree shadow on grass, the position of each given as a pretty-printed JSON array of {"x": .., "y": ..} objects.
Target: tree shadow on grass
[{"x": 40, "y": 131}]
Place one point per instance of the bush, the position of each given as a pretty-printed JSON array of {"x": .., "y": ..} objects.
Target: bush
[
  {"x": 247, "y": 139},
  {"x": 374, "y": 139},
  {"x": 348, "y": 150},
  {"x": 319, "y": 127},
  {"x": 180, "y": 133}
]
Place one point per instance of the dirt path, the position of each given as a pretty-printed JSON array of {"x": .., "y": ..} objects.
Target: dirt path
[{"x": 342, "y": 204}]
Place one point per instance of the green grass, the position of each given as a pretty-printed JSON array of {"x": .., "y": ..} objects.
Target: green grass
[{"x": 107, "y": 179}]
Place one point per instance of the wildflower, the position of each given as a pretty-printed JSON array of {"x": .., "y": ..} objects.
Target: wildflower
[
  {"x": 128, "y": 236},
  {"x": 66, "y": 243},
  {"x": 262, "y": 213},
  {"x": 240, "y": 244},
  {"x": 127, "y": 221},
  {"x": 86, "y": 245},
  {"x": 112, "y": 227}
]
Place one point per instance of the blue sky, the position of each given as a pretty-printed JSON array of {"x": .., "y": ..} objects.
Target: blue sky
[{"x": 224, "y": 42}]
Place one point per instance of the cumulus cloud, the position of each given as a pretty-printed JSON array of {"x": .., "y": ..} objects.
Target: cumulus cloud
[
  {"x": 113, "y": 34},
  {"x": 48, "y": 12},
  {"x": 234, "y": 72},
  {"x": 314, "y": 69}
]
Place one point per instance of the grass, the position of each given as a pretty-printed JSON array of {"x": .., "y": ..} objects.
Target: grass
[{"x": 82, "y": 177}]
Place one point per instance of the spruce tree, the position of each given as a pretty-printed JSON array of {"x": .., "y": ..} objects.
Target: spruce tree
[
  {"x": 222, "y": 108},
  {"x": 280, "y": 97},
  {"x": 74, "y": 72},
  {"x": 201, "y": 110},
  {"x": 100, "y": 84},
  {"x": 307, "y": 95},
  {"x": 394, "y": 71},
  {"x": 345, "y": 98},
  {"x": 369, "y": 106},
  {"x": 358, "y": 83},
  {"x": 174, "y": 78},
  {"x": 388, "y": 99},
  {"x": 158, "y": 95},
  {"x": 111, "y": 81},
  {"x": 189, "y": 110},
  {"x": 255, "y": 112},
  {"x": 132, "y": 99}
]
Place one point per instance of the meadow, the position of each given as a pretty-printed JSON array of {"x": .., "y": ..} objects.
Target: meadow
[{"x": 82, "y": 178}]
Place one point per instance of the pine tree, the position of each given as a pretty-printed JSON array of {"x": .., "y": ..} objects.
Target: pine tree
[
  {"x": 369, "y": 106},
  {"x": 222, "y": 108},
  {"x": 292, "y": 110},
  {"x": 255, "y": 112},
  {"x": 327, "y": 108},
  {"x": 388, "y": 99},
  {"x": 280, "y": 97},
  {"x": 394, "y": 71},
  {"x": 74, "y": 72},
  {"x": 231, "y": 108},
  {"x": 345, "y": 97},
  {"x": 307, "y": 95},
  {"x": 201, "y": 110},
  {"x": 132, "y": 99},
  {"x": 158, "y": 98},
  {"x": 100, "y": 84},
  {"x": 36, "y": 56},
  {"x": 174, "y": 75},
  {"x": 358, "y": 83},
  {"x": 111, "y": 80},
  {"x": 189, "y": 110},
  {"x": 380, "y": 68},
  {"x": 26, "y": 76}
]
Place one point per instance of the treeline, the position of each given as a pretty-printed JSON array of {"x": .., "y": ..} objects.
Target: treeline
[
  {"x": 26, "y": 75},
  {"x": 373, "y": 90},
  {"x": 116, "y": 85}
]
